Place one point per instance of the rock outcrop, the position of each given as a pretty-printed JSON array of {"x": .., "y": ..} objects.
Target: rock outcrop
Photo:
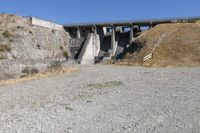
[{"x": 24, "y": 45}]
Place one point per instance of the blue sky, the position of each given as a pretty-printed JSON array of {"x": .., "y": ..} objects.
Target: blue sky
[{"x": 77, "y": 11}]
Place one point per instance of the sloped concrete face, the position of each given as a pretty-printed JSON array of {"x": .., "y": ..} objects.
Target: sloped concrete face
[{"x": 90, "y": 49}]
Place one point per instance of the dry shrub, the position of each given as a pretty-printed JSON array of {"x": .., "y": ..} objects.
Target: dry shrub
[
  {"x": 55, "y": 65},
  {"x": 29, "y": 71}
]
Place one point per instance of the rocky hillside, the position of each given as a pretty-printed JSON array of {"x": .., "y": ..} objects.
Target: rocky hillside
[
  {"x": 171, "y": 44},
  {"x": 22, "y": 42}
]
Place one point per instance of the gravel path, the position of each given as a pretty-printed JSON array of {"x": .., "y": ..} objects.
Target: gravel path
[{"x": 105, "y": 99}]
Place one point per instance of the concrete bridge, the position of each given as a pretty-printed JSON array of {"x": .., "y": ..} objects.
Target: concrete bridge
[{"x": 112, "y": 34}]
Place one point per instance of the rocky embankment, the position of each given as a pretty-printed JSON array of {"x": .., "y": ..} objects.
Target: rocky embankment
[{"x": 25, "y": 48}]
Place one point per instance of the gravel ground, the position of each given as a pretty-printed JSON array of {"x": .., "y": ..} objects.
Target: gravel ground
[{"x": 105, "y": 99}]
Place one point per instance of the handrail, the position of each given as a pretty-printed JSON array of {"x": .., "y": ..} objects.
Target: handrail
[
  {"x": 149, "y": 56},
  {"x": 142, "y": 21}
]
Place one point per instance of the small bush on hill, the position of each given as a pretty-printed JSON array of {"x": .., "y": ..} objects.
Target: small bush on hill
[
  {"x": 28, "y": 70},
  {"x": 61, "y": 47},
  {"x": 65, "y": 54},
  {"x": 4, "y": 48},
  {"x": 6, "y": 34},
  {"x": 55, "y": 65},
  {"x": 30, "y": 32},
  {"x": 20, "y": 27}
]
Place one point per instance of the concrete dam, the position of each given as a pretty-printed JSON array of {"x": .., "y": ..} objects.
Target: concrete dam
[{"x": 96, "y": 42}]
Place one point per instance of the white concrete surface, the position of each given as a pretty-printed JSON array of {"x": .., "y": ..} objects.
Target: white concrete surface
[
  {"x": 46, "y": 24},
  {"x": 90, "y": 49}
]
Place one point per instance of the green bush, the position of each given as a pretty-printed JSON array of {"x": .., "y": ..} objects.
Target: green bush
[
  {"x": 61, "y": 47},
  {"x": 20, "y": 27},
  {"x": 4, "y": 48},
  {"x": 65, "y": 54},
  {"x": 30, "y": 32},
  {"x": 6, "y": 34}
]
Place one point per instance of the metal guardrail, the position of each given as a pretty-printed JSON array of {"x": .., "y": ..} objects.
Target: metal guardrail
[
  {"x": 142, "y": 21},
  {"x": 149, "y": 56}
]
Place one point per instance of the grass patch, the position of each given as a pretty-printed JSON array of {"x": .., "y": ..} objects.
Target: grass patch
[
  {"x": 37, "y": 76},
  {"x": 5, "y": 48},
  {"x": 171, "y": 44},
  {"x": 105, "y": 84},
  {"x": 67, "y": 107}
]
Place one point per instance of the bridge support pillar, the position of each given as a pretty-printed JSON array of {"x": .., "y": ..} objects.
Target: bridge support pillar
[
  {"x": 151, "y": 26},
  {"x": 78, "y": 33},
  {"x": 131, "y": 34},
  {"x": 113, "y": 41},
  {"x": 94, "y": 29}
]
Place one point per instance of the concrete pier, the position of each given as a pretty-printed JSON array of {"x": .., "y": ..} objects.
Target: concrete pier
[
  {"x": 78, "y": 33},
  {"x": 94, "y": 29},
  {"x": 131, "y": 34},
  {"x": 113, "y": 37},
  {"x": 113, "y": 40}
]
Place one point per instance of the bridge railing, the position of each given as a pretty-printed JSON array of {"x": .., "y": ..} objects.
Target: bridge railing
[{"x": 150, "y": 20}]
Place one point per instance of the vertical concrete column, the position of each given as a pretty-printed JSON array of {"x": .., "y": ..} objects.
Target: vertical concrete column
[
  {"x": 113, "y": 40},
  {"x": 78, "y": 33},
  {"x": 131, "y": 33},
  {"x": 94, "y": 28},
  {"x": 151, "y": 25}
]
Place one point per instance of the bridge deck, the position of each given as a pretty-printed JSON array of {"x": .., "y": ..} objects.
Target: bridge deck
[{"x": 145, "y": 22}]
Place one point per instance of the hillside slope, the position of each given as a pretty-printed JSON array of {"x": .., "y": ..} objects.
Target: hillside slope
[
  {"x": 27, "y": 44},
  {"x": 171, "y": 44}
]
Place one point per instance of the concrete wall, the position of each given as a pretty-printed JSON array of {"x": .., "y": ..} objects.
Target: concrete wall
[
  {"x": 90, "y": 49},
  {"x": 46, "y": 24}
]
